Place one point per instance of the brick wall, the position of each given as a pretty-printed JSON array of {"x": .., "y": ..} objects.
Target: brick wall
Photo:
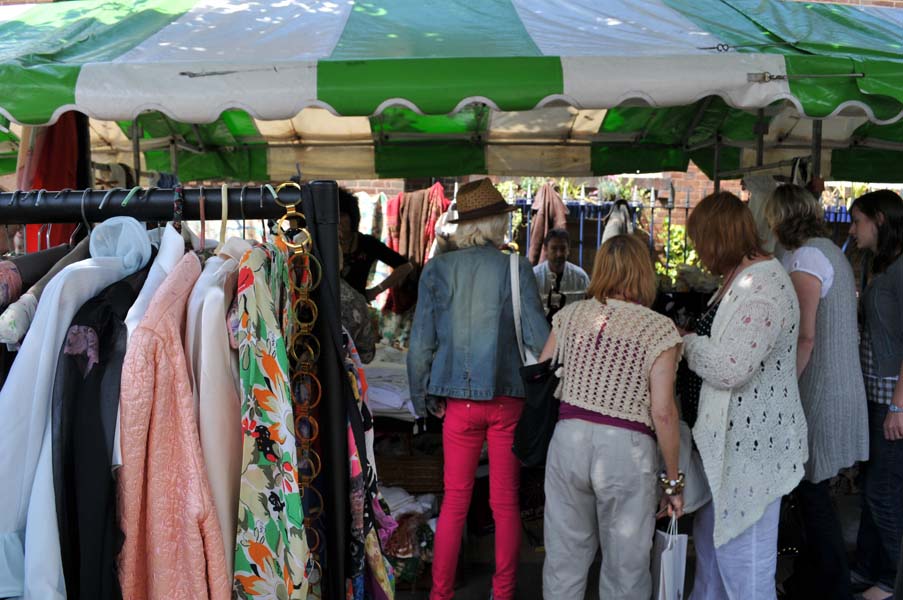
[
  {"x": 389, "y": 187},
  {"x": 694, "y": 182}
]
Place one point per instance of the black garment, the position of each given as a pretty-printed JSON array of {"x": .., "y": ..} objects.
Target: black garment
[
  {"x": 821, "y": 569},
  {"x": 7, "y": 357},
  {"x": 689, "y": 383},
  {"x": 358, "y": 264},
  {"x": 555, "y": 300},
  {"x": 32, "y": 267},
  {"x": 84, "y": 408}
]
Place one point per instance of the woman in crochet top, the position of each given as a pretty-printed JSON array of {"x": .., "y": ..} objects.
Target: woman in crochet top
[
  {"x": 750, "y": 428},
  {"x": 618, "y": 360}
]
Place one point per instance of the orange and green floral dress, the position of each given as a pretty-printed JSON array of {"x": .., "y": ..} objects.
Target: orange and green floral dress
[{"x": 272, "y": 558}]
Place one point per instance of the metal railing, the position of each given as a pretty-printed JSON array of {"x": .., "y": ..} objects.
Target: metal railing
[{"x": 589, "y": 216}]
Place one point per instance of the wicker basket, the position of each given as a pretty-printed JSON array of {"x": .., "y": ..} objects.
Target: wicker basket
[{"x": 416, "y": 474}]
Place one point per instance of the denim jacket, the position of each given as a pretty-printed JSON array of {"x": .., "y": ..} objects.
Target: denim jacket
[
  {"x": 881, "y": 304},
  {"x": 463, "y": 343}
]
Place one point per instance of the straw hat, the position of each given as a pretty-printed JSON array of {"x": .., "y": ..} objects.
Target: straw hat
[{"x": 480, "y": 199}]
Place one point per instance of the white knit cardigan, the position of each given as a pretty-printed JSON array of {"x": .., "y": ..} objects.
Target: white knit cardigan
[{"x": 751, "y": 429}]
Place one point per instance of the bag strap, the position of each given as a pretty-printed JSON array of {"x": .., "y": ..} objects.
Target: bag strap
[
  {"x": 672, "y": 531},
  {"x": 526, "y": 356}
]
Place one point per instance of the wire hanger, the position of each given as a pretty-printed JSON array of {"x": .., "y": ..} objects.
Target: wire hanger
[
  {"x": 241, "y": 207},
  {"x": 224, "y": 217},
  {"x": 178, "y": 206},
  {"x": 202, "y": 239},
  {"x": 269, "y": 188},
  {"x": 84, "y": 222}
]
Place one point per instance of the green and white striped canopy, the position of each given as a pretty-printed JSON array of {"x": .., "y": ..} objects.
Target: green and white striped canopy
[{"x": 393, "y": 88}]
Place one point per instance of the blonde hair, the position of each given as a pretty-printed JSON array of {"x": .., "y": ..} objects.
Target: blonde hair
[
  {"x": 794, "y": 215},
  {"x": 480, "y": 232},
  {"x": 623, "y": 267}
]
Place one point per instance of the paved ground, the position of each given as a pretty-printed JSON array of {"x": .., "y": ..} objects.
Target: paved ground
[{"x": 475, "y": 571}]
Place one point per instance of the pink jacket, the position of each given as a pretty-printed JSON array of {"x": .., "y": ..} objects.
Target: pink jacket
[{"x": 173, "y": 544}]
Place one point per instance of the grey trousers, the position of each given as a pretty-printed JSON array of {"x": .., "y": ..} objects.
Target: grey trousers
[{"x": 600, "y": 488}]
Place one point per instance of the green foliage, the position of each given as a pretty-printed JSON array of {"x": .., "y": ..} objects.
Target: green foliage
[
  {"x": 679, "y": 250},
  {"x": 511, "y": 191}
]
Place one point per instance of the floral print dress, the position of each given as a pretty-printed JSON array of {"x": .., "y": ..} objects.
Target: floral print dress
[
  {"x": 272, "y": 558},
  {"x": 370, "y": 574}
]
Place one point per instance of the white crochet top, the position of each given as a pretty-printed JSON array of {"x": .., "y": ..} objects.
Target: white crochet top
[
  {"x": 751, "y": 429},
  {"x": 606, "y": 352}
]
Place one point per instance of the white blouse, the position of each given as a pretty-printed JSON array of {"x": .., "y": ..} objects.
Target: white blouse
[
  {"x": 807, "y": 259},
  {"x": 213, "y": 368}
]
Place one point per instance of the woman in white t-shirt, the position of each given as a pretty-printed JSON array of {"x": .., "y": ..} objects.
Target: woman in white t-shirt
[{"x": 830, "y": 381}]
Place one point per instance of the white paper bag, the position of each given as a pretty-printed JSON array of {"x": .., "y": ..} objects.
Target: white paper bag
[{"x": 669, "y": 563}]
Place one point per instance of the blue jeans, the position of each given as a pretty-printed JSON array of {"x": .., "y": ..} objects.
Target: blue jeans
[
  {"x": 881, "y": 525},
  {"x": 821, "y": 569}
]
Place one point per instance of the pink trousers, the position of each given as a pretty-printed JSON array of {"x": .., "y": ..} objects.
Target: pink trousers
[{"x": 468, "y": 423}]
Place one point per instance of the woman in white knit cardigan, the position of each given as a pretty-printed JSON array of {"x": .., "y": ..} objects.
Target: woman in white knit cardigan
[{"x": 750, "y": 429}]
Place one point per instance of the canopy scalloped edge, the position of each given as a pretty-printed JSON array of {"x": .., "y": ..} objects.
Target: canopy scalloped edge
[{"x": 847, "y": 108}]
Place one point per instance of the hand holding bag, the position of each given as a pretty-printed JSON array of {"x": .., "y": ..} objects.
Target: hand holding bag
[
  {"x": 537, "y": 421},
  {"x": 696, "y": 491},
  {"x": 669, "y": 563}
]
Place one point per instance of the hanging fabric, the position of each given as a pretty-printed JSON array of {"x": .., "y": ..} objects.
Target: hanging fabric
[
  {"x": 551, "y": 213},
  {"x": 30, "y": 561},
  {"x": 412, "y": 230},
  {"x": 50, "y": 162},
  {"x": 17, "y": 317},
  {"x": 213, "y": 369},
  {"x": 164, "y": 498},
  {"x": 84, "y": 410},
  {"x": 371, "y": 575},
  {"x": 271, "y": 552}
]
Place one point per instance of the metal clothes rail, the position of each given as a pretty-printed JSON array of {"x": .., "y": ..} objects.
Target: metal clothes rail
[{"x": 319, "y": 203}]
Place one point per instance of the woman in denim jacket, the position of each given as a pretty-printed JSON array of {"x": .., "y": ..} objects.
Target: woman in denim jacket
[
  {"x": 464, "y": 363},
  {"x": 878, "y": 228}
]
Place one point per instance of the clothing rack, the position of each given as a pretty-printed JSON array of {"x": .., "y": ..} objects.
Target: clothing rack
[
  {"x": 153, "y": 204},
  {"x": 320, "y": 204}
]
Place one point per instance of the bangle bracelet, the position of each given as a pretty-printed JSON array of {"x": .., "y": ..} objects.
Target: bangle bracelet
[{"x": 672, "y": 487}]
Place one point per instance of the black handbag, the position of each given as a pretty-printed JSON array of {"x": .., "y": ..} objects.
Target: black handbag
[
  {"x": 537, "y": 421},
  {"x": 791, "y": 531}
]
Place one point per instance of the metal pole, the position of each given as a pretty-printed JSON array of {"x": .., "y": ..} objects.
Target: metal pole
[
  {"x": 65, "y": 207},
  {"x": 760, "y": 130},
  {"x": 717, "y": 165},
  {"x": 652, "y": 220},
  {"x": 580, "y": 216},
  {"x": 599, "y": 226},
  {"x": 321, "y": 208},
  {"x": 174, "y": 158},
  {"x": 670, "y": 207},
  {"x": 816, "y": 148},
  {"x": 136, "y": 151},
  {"x": 686, "y": 218}
]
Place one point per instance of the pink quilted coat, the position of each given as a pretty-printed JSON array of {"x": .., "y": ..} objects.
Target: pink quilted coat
[{"x": 173, "y": 544}]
